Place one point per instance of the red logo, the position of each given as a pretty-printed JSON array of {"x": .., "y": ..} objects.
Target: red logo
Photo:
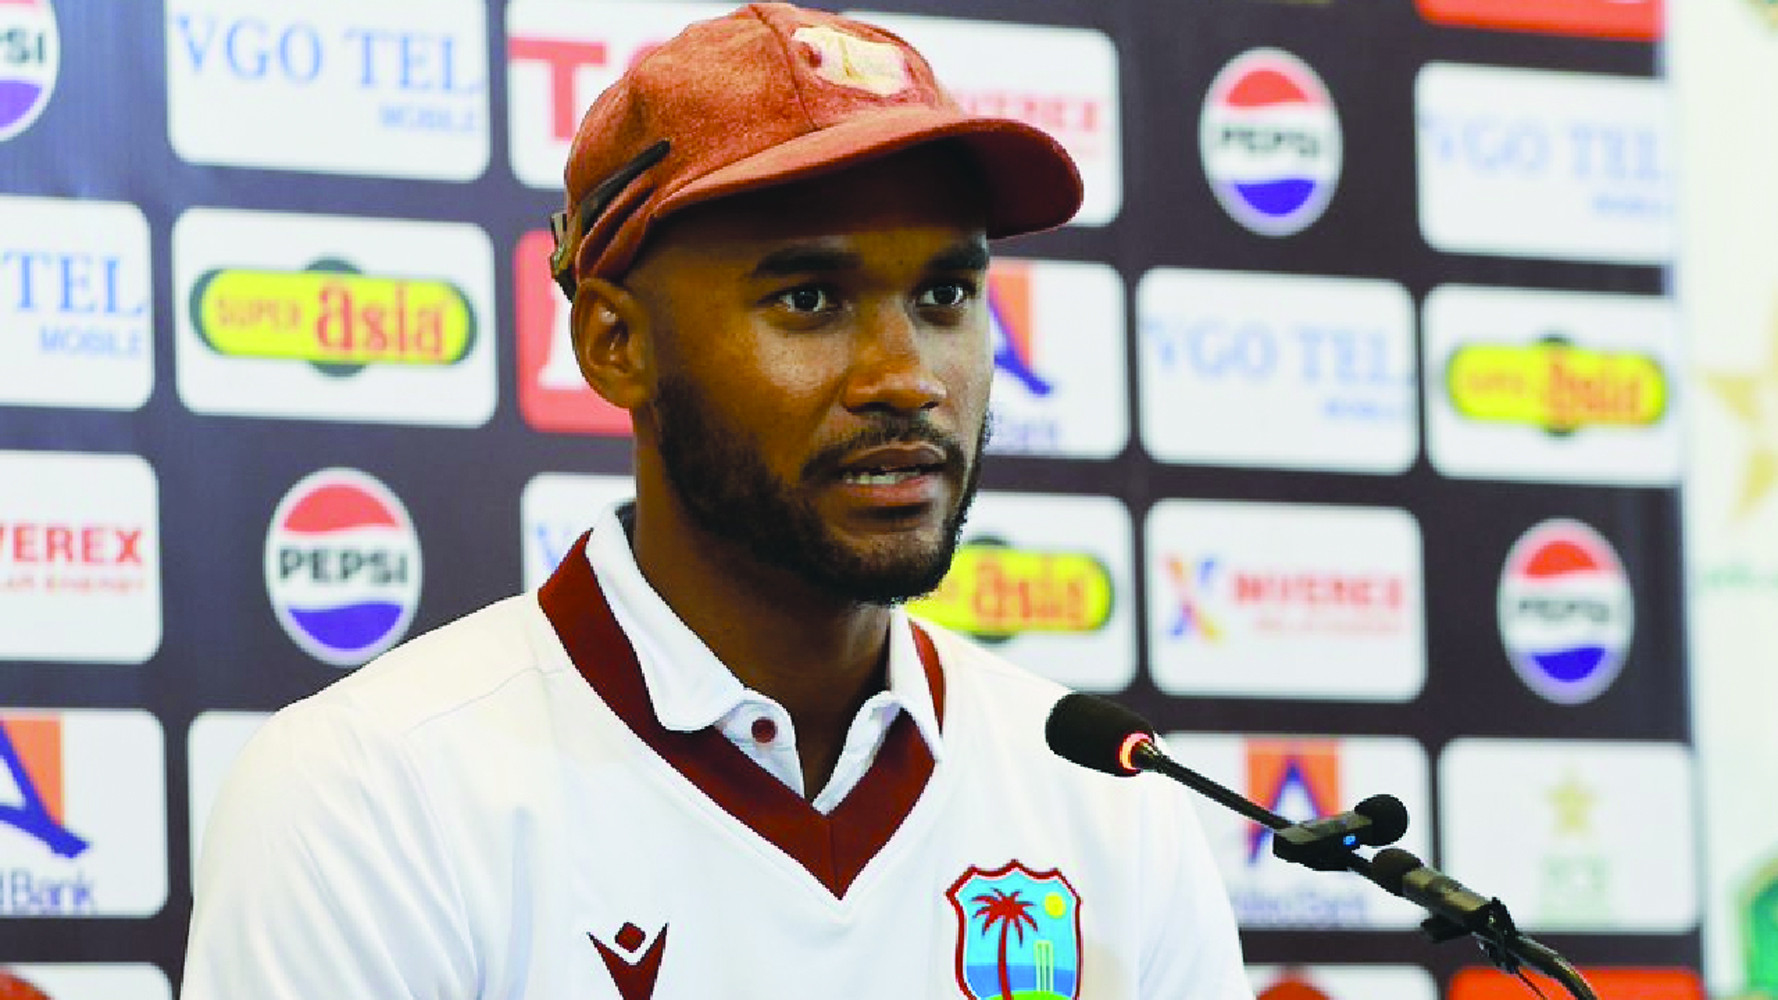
[
  {"x": 1627, "y": 20},
  {"x": 552, "y": 394},
  {"x": 634, "y": 975}
]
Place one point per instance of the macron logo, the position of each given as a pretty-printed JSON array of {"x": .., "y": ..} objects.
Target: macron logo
[{"x": 633, "y": 976}]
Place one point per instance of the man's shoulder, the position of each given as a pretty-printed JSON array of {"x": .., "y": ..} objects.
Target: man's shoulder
[
  {"x": 968, "y": 663},
  {"x": 440, "y": 672}
]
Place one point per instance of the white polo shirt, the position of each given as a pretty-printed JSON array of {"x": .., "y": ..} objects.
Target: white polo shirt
[{"x": 496, "y": 810}]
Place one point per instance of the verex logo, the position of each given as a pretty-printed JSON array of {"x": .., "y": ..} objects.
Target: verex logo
[{"x": 396, "y": 89}]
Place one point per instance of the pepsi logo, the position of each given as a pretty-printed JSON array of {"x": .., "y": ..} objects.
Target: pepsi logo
[
  {"x": 1566, "y": 611},
  {"x": 342, "y": 566},
  {"x": 1270, "y": 140},
  {"x": 30, "y": 53}
]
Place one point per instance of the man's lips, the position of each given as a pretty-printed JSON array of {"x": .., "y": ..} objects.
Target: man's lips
[{"x": 892, "y": 463}]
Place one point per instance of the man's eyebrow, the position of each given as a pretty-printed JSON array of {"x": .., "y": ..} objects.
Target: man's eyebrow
[
  {"x": 972, "y": 256},
  {"x": 794, "y": 260}
]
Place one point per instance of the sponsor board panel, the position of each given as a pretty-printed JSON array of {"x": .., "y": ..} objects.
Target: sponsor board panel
[
  {"x": 555, "y": 509},
  {"x": 1061, "y": 80},
  {"x": 1290, "y": 371},
  {"x": 86, "y": 981},
  {"x": 83, "y": 814},
  {"x": 343, "y": 570},
  {"x": 1341, "y": 982},
  {"x": 397, "y": 88},
  {"x": 1641, "y": 983},
  {"x": 315, "y": 317},
  {"x": 213, "y": 743},
  {"x": 1047, "y": 582},
  {"x": 1300, "y": 778},
  {"x": 1270, "y": 139},
  {"x": 1059, "y": 374},
  {"x": 30, "y": 59},
  {"x": 1566, "y": 610},
  {"x": 1540, "y": 163},
  {"x": 1583, "y": 836},
  {"x": 76, "y": 326},
  {"x": 1552, "y": 386},
  {"x": 1267, "y": 600},
  {"x": 560, "y": 54},
  {"x": 1629, "y": 20},
  {"x": 553, "y": 396},
  {"x": 79, "y": 558}
]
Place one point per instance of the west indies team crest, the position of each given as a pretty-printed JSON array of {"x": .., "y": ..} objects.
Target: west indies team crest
[
  {"x": 342, "y": 566},
  {"x": 1018, "y": 934}
]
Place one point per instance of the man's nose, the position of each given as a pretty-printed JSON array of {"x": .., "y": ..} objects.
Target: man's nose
[{"x": 891, "y": 365}]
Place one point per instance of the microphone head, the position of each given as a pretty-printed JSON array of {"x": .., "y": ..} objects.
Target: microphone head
[
  {"x": 1096, "y": 732},
  {"x": 1390, "y": 868},
  {"x": 1389, "y": 820}
]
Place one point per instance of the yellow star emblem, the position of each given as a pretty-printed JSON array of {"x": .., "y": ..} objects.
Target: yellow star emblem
[
  {"x": 1753, "y": 399},
  {"x": 855, "y": 62},
  {"x": 1573, "y": 805}
]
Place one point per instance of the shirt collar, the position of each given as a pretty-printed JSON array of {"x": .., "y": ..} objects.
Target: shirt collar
[{"x": 688, "y": 686}]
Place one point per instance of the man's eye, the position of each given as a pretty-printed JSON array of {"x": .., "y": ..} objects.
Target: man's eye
[
  {"x": 806, "y": 299},
  {"x": 947, "y": 294}
]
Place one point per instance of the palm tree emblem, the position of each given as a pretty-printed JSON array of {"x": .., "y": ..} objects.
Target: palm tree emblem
[{"x": 1010, "y": 912}]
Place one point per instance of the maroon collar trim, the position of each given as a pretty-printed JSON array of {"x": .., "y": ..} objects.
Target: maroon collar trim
[{"x": 833, "y": 848}]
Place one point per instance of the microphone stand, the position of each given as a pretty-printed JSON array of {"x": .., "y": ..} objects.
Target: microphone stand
[{"x": 1491, "y": 925}]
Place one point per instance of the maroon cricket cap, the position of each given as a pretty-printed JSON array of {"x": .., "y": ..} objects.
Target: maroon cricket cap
[{"x": 769, "y": 94}]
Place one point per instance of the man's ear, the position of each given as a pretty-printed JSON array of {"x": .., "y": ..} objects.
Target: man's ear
[{"x": 612, "y": 343}]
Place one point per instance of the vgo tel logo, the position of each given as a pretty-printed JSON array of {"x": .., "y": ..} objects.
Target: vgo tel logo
[
  {"x": 1061, "y": 80},
  {"x": 1321, "y": 370},
  {"x": 388, "y": 89},
  {"x": 1302, "y": 777},
  {"x": 553, "y": 395},
  {"x": 1285, "y": 601},
  {"x": 333, "y": 318},
  {"x": 342, "y": 566},
  {"x": 30, "y": 54},
  {"x": 79, "y": 544},
  {"x": 1547, "y": 164},
  {"x": 1037, "y": 311},
  {"x": 1270, "y": 140},
  {"x": 555, "y": 509},
  {"x": 561, "y": 55},
  {"x": 1045, "y": 578},
  {"x": 74, "y": 300},
  {"x": 1567, "y": 613},
  {"x": 82, "y": 814}
]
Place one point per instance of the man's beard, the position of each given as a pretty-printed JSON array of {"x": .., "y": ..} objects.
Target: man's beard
[{"x": 720, "y": 477}]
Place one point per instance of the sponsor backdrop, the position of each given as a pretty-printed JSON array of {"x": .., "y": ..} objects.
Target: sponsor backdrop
[{"x": 1340, "y": 434}]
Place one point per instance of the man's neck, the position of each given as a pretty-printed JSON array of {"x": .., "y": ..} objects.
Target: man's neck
[{"x": 818, "y": 656}]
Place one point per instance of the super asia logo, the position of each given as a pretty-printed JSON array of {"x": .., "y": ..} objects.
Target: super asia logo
[
  {"x": 995, "y": 591},
  {"x": 342, "y": 566},
  {"x": 333, "y": 317},
  {"x": 1556, "y": 385}
]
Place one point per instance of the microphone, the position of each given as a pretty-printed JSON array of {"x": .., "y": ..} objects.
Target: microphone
[
  {"x": 1323, "y": 844},
  {"x": 1412, "y": 879}
]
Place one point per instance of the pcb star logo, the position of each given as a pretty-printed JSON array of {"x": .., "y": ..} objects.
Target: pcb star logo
[{"x": 1753, "y": 399}]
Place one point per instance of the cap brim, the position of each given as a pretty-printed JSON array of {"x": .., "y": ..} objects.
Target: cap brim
[{"x": 1032, "y": 182}]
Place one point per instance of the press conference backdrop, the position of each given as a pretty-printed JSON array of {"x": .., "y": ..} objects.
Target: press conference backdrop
[{"x": 1339, "y": 434}]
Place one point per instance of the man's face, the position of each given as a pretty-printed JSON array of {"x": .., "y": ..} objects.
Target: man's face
[{"x": 824, "y": 365}]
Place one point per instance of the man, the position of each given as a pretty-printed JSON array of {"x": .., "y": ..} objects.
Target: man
[{"x": 710, "y": 757}]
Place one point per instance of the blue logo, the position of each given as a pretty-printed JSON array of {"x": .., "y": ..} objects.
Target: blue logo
[
  {"x": 1566, "y": 611},
  {"x": 31, "y": 751},
  {"x": 1270, "y": 139},
  {"x": 30, "y": 53},
  {"x": 1018, "y": 933}
]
